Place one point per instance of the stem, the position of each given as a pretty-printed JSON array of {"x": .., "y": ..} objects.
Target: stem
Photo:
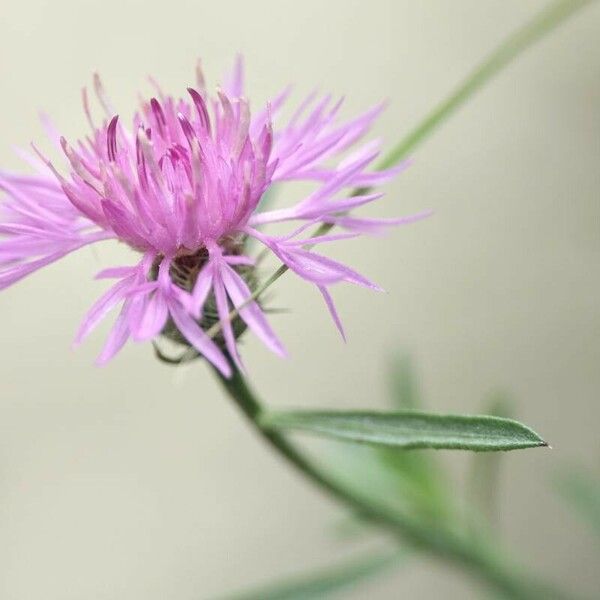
[
  {"x": 545, "y": 21},
  {"x": 480, "y": 561}
]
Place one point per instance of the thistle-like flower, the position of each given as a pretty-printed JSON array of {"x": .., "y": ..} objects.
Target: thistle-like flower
[{"x": 182, "y": 186}]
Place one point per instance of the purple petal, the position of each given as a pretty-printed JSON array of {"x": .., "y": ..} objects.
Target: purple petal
[
  {"x": 201, "y": 289},
  {"x": 116, "y": 272},
  {"x": 153, "y": 318},
  {"x": 14, "y": 274},
  {"x": 324, "y": 264},
  {"x": 332, "y": 310},
  {"x": 373, "y": 226},
  {"x": 234, "y": 85},
  {"x": 117, "y": 337},
  {"x": 103, "y": 306},
  {"x": 251, "y": 313},
  {"x": 223, "y": 311},
  {"x": 195, "y": 336}
]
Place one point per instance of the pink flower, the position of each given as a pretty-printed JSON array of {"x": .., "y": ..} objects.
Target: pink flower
[{"x": 182, "y": 187}]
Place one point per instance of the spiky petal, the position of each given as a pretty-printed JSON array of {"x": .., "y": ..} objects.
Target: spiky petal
[{"x": 182, "y": 186}]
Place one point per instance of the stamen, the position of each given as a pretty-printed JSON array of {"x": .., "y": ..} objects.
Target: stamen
[
  {"x": 226, "y": 104},
  {"x": 78, "y": 167},
  {"x": 265, "y": 141},
  {"x": 243, "y": 126},
  {"x": 87, "y": 210},
  {"x": 200, "y": 82},
  {"x": 196, "y": 165},
  {"x": 150, "y": 159},
  {"x": 202, "y": 110},
  {"x": 102, "y": 98},
  {"x": 86, "y": 108},
  {"x": 140, "y": 160},
  {"x": 46, "y": 161},
  {"x": 159, "y": 115},
  {"x": 111, "y": 139},
  {"x": 157, "y": 87},
  {"x": 187, "y": 129}
]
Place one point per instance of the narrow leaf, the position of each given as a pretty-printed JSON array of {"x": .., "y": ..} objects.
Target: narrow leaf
[
  {"x": 410, "y": 429},
  {"x": 417, "y": 475},
  {"x": 417, "y": 479},
  {"x": 403, "y": 384},
  {"x": 484, "y": 474},
  {"x": 582, "y": 492},
  {"x": 325, "y": 582}
]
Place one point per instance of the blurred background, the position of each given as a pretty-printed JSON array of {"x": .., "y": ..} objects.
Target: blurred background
[{"x": 141, "y": 481}]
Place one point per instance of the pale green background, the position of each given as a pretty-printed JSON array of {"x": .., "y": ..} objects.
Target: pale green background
[{"x": 135, "y": 482}]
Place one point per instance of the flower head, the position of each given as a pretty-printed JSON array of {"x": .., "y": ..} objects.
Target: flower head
[{"x": 182, "y": 186}]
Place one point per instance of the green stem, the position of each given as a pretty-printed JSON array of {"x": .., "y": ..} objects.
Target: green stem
[
  {"x": 480, "y": 561},
  {"x": 546, "y": 20}
]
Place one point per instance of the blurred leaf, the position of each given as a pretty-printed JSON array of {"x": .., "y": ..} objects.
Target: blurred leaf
[
  {"x": 410, "y": 429},
  {"x": 325, "y": 582},
  {"x": 485, "y": 469},
  {"x": 351, "y": 527},
  {"x": 582, "y": 493},
  {"x": 407, "y": 481},
  {"x": 417, "y": 475},
  {"x": 403, "y": 384},
  {"x": 542, "y": 23},
  {"x": 373, "y": 473}
]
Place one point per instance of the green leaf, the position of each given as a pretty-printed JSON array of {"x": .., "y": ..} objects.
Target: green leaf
[
  {"x": 403, "y": 384},
  {"x": 417, "y": 479},
  {"x": 485, "y": 471},
  {"x": 417, "y": 476},
  {"x": 582, "y": 492},
  {"x": 542, "y": 23},
  {"x": 352, "y": 527},
  {"x": 484, "y": 475},
  {"x": 410, "y": 429},
  {"x": 325, "y": 582}
]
